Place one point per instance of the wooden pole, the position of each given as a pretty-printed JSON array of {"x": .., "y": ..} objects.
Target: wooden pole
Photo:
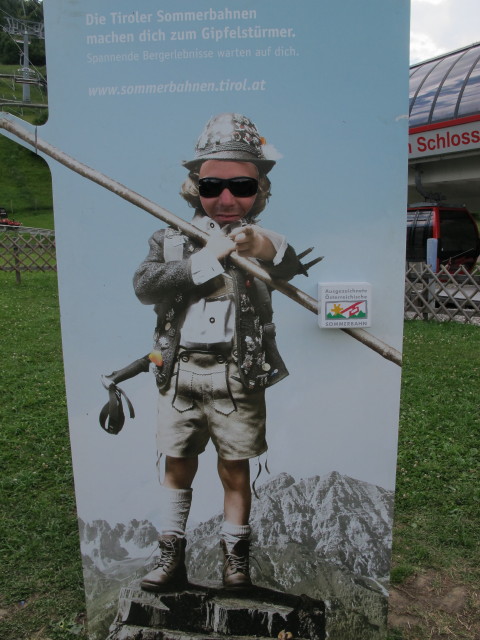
[{"x": 302, "y": 298}]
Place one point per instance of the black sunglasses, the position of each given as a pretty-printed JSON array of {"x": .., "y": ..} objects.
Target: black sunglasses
[{"x": 241, "y": 187}]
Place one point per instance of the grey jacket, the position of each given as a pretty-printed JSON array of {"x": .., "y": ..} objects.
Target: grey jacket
[{"x": 167, "y": 284}]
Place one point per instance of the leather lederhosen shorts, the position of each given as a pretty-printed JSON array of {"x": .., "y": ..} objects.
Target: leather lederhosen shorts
[{"x": 206, "y": 399}]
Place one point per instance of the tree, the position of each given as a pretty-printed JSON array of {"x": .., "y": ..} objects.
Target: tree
[{"x": 10, "y": 51}]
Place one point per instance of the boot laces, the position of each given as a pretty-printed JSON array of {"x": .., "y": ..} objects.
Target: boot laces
[
  {"x": 167, "y": 554},
  {"x": 238, "y": 564}
]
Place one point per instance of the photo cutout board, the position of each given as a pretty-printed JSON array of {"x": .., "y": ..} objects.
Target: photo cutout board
[{"x": 313, "y": 96}]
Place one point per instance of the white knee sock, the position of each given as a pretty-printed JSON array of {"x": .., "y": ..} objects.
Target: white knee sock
[
  {"x": 232, "y": 533},
  {"x": 175, "y": 507}
]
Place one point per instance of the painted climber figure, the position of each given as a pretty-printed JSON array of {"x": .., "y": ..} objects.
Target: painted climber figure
[{"x": 214, "y": 342}]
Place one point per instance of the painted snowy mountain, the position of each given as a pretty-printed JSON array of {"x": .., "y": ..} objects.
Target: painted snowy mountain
[
  {"x": 326, "y": 536},
  {"x": 337, "y": 519},
  {"x": 297, "y": 526},
  {"x": 105, "y": 546}
]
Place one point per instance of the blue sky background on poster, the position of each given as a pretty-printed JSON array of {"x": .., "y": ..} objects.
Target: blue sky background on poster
[
  {"x": 439, "y": 26},
  {"x": 339, "y": 186}
]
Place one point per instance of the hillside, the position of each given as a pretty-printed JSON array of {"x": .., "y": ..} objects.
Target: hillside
[{"x": 25, "y": 185}]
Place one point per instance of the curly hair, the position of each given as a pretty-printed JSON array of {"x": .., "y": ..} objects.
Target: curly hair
[{"x": 189, "y": 192}]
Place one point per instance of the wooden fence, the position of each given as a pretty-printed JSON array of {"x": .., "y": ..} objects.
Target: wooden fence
[
  {"x": 442, "y": 296},
  {"x": 27, "y": 249},
  {"x": 439, "y": 296}
]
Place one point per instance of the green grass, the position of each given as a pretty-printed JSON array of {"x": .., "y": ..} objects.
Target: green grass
[
  {"x": 25, "y": 182},
  {"x": 25, "y": 185},
  {"x": 437, "y": 500},
  {"x": 40, "y": 581},
  {"x": 436, "y": 533},
  {"x": 436, "y": 521},
  {"x": 10, "y": 90}
]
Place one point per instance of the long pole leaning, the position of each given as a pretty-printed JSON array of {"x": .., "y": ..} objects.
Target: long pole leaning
[{"x": 302, "y": 298}]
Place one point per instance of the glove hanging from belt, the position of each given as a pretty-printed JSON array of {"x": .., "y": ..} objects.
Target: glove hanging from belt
[{"x": 112, "y": 416}]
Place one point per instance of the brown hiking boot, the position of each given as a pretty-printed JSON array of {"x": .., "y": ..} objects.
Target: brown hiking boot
[
  {"x": 236, "y": 573},
  {"x": 169, "y": 572}
]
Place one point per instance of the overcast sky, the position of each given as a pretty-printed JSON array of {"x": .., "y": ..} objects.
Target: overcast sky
[{"x": 440, "y": 26}]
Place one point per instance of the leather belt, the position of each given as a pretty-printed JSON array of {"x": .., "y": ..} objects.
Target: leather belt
[{"x": 221, "y": 348}]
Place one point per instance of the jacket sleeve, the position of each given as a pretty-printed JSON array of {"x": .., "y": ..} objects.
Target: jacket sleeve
[{"x": 154, "y": 279}]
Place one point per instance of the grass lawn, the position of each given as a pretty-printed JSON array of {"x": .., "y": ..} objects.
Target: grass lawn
[
  {"x": 436, "y": 535},
  {"x": 25, "y": 183},
  {"x": 13, "y": 91},
  {"x": 40, "y": 582},
  {"x": 436, "y": 551}
]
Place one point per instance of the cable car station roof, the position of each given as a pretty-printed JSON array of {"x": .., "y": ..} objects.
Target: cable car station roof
[
  {"x": 445, "y": 88},
  {"x": 444, "y": 119}
]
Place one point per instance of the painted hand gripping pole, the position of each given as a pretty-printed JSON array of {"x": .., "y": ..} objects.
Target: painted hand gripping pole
[{"x": 292, "y": 292}]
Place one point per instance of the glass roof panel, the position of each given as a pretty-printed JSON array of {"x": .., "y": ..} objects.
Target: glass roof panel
[
  {"x": 470, "y": 100},
  {"x": 446, "y": 87},
  {"x": 446, "y": 103},
  {"x": 417, "y": 76},
  {"x": 420, "y": 112}
]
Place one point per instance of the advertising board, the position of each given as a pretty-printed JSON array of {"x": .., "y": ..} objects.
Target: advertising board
[{"x": 313, "y": 96}]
